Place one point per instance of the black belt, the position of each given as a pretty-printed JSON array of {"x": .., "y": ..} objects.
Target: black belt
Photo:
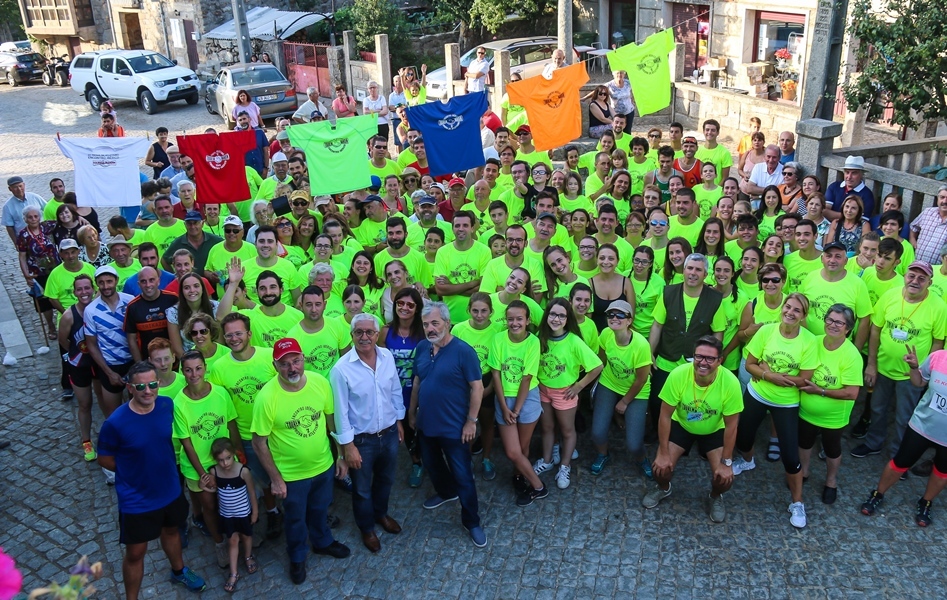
[{"x": 376, "y": 434}]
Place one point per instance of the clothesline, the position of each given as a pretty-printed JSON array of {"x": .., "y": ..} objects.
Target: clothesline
[{"x": 676, "y": 25}]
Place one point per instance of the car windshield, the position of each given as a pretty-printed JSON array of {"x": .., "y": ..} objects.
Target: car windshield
[
  {"x": 149, "y": 62},
  {"x": 466, "y": 59},
  {"x": 31, "y": 57},
  {"x": 256, "y": 76}
]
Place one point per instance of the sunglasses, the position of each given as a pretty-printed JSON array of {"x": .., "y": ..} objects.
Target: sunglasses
[
  {"x": 540, "y": 172},
  {"x": 405, "y": 304},
  {"x": 203, "y": 331},
  {"x": 659, "y": 223},
  {"x": 771, "y": 280},
  {"x": 410, "y": 179},
  {"x": 653, "y": 136},
  {"x": 788, "y": 173},
  {"x": 617, "y": 315},
  {"x": 378, "y": 147},
  {"x": 300, "y": 203},
  {"x": 151, "y": 385},
  {"x": 233, "y": 231},
  {"x": 284, "y": 225}
]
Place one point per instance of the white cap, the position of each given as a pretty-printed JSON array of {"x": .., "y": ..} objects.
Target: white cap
[
  {"x": 279, "y": 157},
  {"x": 67, "y": 244}
]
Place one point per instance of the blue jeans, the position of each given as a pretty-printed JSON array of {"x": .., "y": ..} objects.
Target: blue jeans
[
  {"x": 447, "y": 461},
  {"x": 306, "y": 507},
  {"x": 254, "y": 464},
  {"x": 371, "y": 485},
  {"x": 603, "y": 407},
  {"x": 905, "y": 397}
]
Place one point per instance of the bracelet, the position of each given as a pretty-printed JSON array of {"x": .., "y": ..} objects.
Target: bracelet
[
  {"x": 823, "y": 392},
  {"x": 763, "y": 376}
]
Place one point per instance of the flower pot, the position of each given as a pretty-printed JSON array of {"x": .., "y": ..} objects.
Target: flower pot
[{"x": 789, "y": 94}]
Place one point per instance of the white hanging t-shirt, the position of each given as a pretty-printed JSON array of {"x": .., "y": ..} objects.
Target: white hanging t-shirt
[{"x": 107, "y": 172}]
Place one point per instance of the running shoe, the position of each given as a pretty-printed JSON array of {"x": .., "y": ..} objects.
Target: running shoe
[
  {"x": 527, "y": 497},
  {"x": 645, "y": 466},
  {"x": 598, "y": 465},
  {"x": 923, "y": 515},
  {"x": 489, "y": 470},
  {"x": 798, "y": 512},
  {"x": 417, "y": 474},
  {"x": 435, "y": 501},
  {"x": 718, "y": 512},
  {"x": 862, "y": 450},
  {"x": 190, "y": 580},
  {"x": 655, "y": 496},
  {"x": 88, "y": 451},
  {"x": 873, "y": 502},
  {"x": 740, "y": 464}
]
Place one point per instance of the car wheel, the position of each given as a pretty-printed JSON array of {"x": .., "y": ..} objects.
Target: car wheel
[
  {"x": 147, "y": 102},
  {"x": 95, "y": 99},
  {"x": 12, "y": 80},
  {"x": 193, "y": 99},
  {"x": 62, "y": 79},
  {"x": 209, "y": 105},
  {"x": 231, "y": 124},
  {"x": 47, "y": 78}
]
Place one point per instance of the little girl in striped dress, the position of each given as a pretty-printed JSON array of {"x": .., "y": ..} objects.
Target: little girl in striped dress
[{"x": 236, "y": 500}]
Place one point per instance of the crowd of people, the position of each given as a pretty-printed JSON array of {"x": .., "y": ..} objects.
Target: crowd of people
[{"x": 264, "y": 353}]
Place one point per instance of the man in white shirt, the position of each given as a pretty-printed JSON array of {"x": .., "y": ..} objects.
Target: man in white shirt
[
  {"x": 764, "y": 174},
  {"x": 475, "y": 79},
  {"x": 13, "y": 209},
  {"x": 304, "y": 113},
  {"x": 369, "y": 408}
]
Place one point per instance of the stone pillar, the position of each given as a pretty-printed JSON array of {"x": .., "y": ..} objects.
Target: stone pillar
[
  {"x": 383, "y": 60},
  {"x": 348, "y": 42},
  {"x": 825, "y": 57},
  {"x": 348, "y": 53},
  {"x": 338, "y": 68},
  {"x": 564, "y": 29},
  {"x": 814, "y": 138},
  {"x": 501, "y": 73},
  {"x": 452, "y": 65}
]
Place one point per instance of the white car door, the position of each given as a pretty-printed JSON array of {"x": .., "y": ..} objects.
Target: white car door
[
  {"x": 125, "y": 79},
  {"x": 106, "y": 78}
]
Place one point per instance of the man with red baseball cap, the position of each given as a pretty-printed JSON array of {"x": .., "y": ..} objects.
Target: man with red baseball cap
[{"x": 291, "y": 439}]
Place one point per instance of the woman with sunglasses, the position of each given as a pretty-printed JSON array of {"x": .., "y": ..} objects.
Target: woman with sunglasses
[
  {"x": 600, "y": 113},
  {"x": 209, "y": 410},
  {"x": 286, "y": 233},
  {"x": 516, "y": 288},
  {"x": 747, "y": 278},
  {"x": 826, "y": 401},
  {"x": 397, "y": 278},
  {"x": 363, "y": 275},
  {"x": 203, "y": 331},
  {"x": 790, "y": 190},
  {"x": 762, "y": 309},
  {"x": 586, "y": 253},
  {"x": 192, "y": 299},
  {"x": 678, "y": 249},
  {"x": 623, "y": 388},
  {"x": 658, "y": 225},
  {"x": 608, "y": 285},
  {"x": 781, "y": 359},
  {"x": 563, "y": 357}
]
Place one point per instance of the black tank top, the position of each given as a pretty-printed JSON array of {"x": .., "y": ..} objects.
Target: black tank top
[
  {"x": 600, "y": 305},
  {"x": 162, "y": 157},
  {"x": 78, "y": 353},
  {"x": 606, "y": 110}
]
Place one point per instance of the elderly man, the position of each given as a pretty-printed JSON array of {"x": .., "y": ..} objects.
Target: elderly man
[
  {"x": 195, "y": 240},
  {"x": 174, "y": 157},
  {"x": 445, "y": 401},
  {"x": 853, "y": 182},
  {"x": 456, "y": 197},
  {"x": 13, "y": 209},
  {"x": 279, "y": 177},
  {"x": 369, "y": 409},
  {"x": 787, "y": 147},
  {"x": 763, "y": 174},
  {"x": 124, "y": 264},
  {"x": 304, "y": 113},
  {"x": 929, "y": 230},
  {"x": 290, "y": 437}
]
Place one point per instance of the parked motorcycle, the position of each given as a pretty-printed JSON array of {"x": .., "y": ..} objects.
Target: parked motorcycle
[{"x": 57, "y": 71}]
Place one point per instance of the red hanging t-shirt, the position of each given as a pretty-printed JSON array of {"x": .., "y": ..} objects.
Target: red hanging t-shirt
[
  {"x": 552, "y": 105},
  {"x": 219, "y": 164}
]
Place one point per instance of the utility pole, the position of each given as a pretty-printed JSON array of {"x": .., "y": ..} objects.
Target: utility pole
[
  {"x": 565, "y": 29},
  {"x": 241, "y": 28}
]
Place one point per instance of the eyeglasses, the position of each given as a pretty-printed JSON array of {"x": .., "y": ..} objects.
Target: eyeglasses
[
  {"x": 771, "y": 280},
  {"x": 557, "y": 316},
  {"x": 655, "y": 223},
  {"x": 410, "y": 179},
  {"x": 203, "y": 331},
  {"x": 635, "y": 225},
  {"x": 617, "y": 315},
  {"x": 364, "y": 332},
  {"x": 151, "y": 385},
  {"x": 300, "y": 203},
  {"x": 405, "y": 304},
  {"x": 788, "y": 173},
  {"x": 540, "y": 172},
  {"x": 233, "y": 231},
  {"x": 836, "y": 322},
  {"x": 586, "y": 247},
  {"x": 523, "y": 133},
  {"x": 516, "y": 240},
  {"x": 323, "y": 246},
  {"x": 641, "y": 261},
  {"x": 705, "y": 359}
]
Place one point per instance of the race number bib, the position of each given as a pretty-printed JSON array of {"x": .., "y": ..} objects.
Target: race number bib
[{"x": 939, "y": 403}]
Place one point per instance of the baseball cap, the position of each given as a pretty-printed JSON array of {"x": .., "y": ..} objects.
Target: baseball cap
[
  {"x": 376, "y": 183},
  {"x": 322, "y": 200},
  {"x": 14, "y": 180},
  {"x": 117, "y": 240},
  {"x": 834, "y": 246},
  {"x": 67, "y": 244},
  {"x": 439, "y": 186},
  {"x": 283, "y": 135},
  {"x": 925, "y": 267},
  {"x": 172, "y": 149},
  {"x": 410, "y": 171},
  {"x": 233, "y": 220},
  {"x": 620, "y": 305},
  {"x": 279, "y": 157},
  {"x": 193, "y": 215},
  {"x": 316, "y": 115},
  {"x": 456, "y": 181},
  {"x": 523, "y": 128},
  {"x": 286, "y": 346},
  {"x": 546, "y": 215},
  {"x": 106, "y": 270},
  {"x": 372, "y": 198},
  {"x": 426, "y": 200}
]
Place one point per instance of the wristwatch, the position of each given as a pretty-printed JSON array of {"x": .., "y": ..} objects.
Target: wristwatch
[
  {"x": 473, "y": 420},
  {"x": 727, "y": 462}
]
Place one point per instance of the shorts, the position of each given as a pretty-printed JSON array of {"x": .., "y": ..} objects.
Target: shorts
[
  {"x": 557, "y": 398},
  {"x": 685, "y": 439},
  {"x": 530, "y": 412},
  {"x": 228, "y": 526},
  {"x": 141, "y": 528},
  {"x": 254, "y": 464},
  {"x": 82, "y": 375},
  {"x": 122, "y": 370},
  {"x": 193, "y": 485}
]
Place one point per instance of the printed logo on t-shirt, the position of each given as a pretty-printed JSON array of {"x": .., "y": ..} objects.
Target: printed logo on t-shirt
[
  {"x": 207, "y": 426},
  {"x": 819, "y": 306},
  {"x": 451, "y": 122},
  {"x": 337, "y": 145},
  {"x": 901, "y": 330},
  {"x": 305, "y": 421},
  {"x": 246, "y": 388},
  {"x": 824, "y": 377},
  {"x": 512, "y": 369},
  {"x": 217, "y": 159},
  {"x": 554, "y": 99},
  {"x": 321, "y": 358},
  {"x": 781, "y": 362},
  {"x": 464, "y": 273},
  {"x": 552, "y": 366},
  {"x": 621, "y": 369},
  {"x": 649, "y": 64}
]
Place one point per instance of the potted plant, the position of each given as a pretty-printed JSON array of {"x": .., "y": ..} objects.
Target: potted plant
[{"x": 789, "y": 89}]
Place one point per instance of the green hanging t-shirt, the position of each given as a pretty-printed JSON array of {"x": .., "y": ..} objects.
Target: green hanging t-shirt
[{"x": 335, "y": 154}]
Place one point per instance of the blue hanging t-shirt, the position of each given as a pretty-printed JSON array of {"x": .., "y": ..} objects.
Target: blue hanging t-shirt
[{"x": 451, "y": 132}]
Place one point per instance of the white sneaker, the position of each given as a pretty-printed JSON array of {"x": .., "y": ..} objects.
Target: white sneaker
[
  {"x": 109, "y": 476},
  {"x": 541, "y": 466},
  {"x": 575, "y": 455},
  {"x": 740, "y": 464},
  {"x": 798, "y": 518},
  {"x": 562, "y": 477},
  {"x": 555, "y": 454}
]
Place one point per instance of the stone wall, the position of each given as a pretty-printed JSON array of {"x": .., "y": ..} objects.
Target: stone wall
[
  {"x": 360, "y": 73},
  {"x": 694, "y": 103},
  {"x": 433, "y": 45}
]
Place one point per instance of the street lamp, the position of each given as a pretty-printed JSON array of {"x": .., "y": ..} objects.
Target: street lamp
[{"x": 330, "y": 18}]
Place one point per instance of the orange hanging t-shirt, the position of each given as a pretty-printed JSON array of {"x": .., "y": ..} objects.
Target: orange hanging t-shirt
[{"x": 552, "y": 105}]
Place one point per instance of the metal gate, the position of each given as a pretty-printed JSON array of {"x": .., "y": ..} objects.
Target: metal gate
[{"x": 307, "y": 65}]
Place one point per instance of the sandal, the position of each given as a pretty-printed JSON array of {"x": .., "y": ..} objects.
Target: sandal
[
  {"x": 772, "y": 452},
  {"x": 51, "y": 336},
  {"x": 231, "y": 584},
  {"x": 251, "y": 564}
]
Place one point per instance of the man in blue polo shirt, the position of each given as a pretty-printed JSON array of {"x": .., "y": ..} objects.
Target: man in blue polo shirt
[
  {"x": 445, "y": 401},
  {"x": 150, "y": 503},
  {"x": 852, "y": 183}
]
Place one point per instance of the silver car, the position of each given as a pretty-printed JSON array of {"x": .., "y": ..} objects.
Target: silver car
[
  {"x": 265, "y": 84},
  {"x": 528, "y": 57}
]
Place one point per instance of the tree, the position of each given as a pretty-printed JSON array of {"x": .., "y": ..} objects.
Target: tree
[
  {"x": 11, "y": 23},
  {"x": 901, "y": 58},
  {"x": 492, "y": 13}
]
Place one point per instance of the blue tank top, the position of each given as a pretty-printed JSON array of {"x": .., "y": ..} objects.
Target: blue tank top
[{"x": 402, "y": 348}]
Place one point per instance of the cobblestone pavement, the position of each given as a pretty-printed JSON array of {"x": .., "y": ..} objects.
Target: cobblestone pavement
[{"x": 591, "y": 541}]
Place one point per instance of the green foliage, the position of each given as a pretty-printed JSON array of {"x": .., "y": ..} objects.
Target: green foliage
[
  {"x": 902, "y": 59},
  {"x": 11, "y": 23},
  {"x": 492, "y": 13},
  {"x": 378, "y": 16},
  {"x": 456, "y": 10},
  {"x": 343, "y": 20}
]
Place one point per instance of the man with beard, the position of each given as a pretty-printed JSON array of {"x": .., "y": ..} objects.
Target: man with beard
[
  {"x": 290, "y": 438},
  {"x": 145, "y": 316},
  {"x": 243, "y": 372},
  {"x": 397, "y": 248},
  {"x": 297, "y": 170},
  {"x": 58, "y": 188},
  {"x": 445, "y": 401},
  {"x": 427, "y": 217},
  {"x": 267, "y": 260},
  {"x": 459, "y": 266},
  {"x": 322, "y": 340},
  {"x": 271, "y": 318},
  {"x": 499, "y": 268}
]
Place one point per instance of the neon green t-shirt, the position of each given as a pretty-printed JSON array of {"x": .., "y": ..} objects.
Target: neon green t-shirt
[
  {"x": 589, "y": 334},
  {"x": 498, "y": 318},
  {"x": 322, "y": 349},
  {"x": 294, "y": 424},
  {"x": 481, "y": 340},
  {"x": 837, "y": 368},
  {"x": 339, "y": 151},
  {"x": 767, "y": 227},
  {"x": 514, "y": 360},
  {"x": 373, "y": 301},
  {"x": 125, "y": 273},
  {"x": 202, "y": 421},
  {"x": 691, "y": 232},
  {"x": 580, "y": 201},
  {"x": 283, "y": 268},
  {"x": 733, "y": 310},
  {"x": 659, "y": 314},
  {"x": 564, "y": 289},
  {"x": 413, "y": 262},
  {"x": 877, "y": 287},
  {"x": 707, "y": 199},
  {"x": 295, "y": 255},
  {"x": 647, "y": 294},
  {"x": 798, "y": 268},
  {"x": 700, "y": 409},
  {"x": 784, "y": 356},
  {"x": 60, "y": 281},
  {"x": 369, "y": 233},
  {"x": 162, "y": 236},
  {"x": 265, "y": 330},
  {"x": 460, "y": 266},
  {"x": 638, "y": 172},
  {"x": 219, "y": 257},
  {"x": 621, "y": 362},
  {"x": 733, "y": 250},
  {"x": 497, "y": 272},
  {"x": 390, "y": 168},
  {"x": 850, "y": 291},
  {"x": 939, "y": 285},
  {"x": 720, "y": 157},
  {"x": 406, "y": 158},
  {"x": 243, "y": 380},
  {"x": 903, "y": 323},
  {"x": 560, "y": 366}
]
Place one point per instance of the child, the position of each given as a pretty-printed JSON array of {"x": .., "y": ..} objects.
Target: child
[
  {"x": 747, "y": 142},
  {"x": 619, "y": 160},
  {"x": 237, "y": 503},
  {"x": 708, "y": 192},
  {"x": 891, "y": 223},
  {"x": 147, "y": 216},
  {"x": 867, "y": 253}
]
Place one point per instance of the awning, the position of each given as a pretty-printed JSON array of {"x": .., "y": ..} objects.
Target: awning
[{"x": 267, "y": 24}]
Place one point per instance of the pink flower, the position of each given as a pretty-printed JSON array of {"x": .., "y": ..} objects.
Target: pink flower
[{"x": 11, "y": 581}]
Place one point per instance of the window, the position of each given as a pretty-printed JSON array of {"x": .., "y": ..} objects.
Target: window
[
  {"x": 149, "y": 62},
  {"x": 537, "y": 53},
  {"x": 84, "y": 15},
  {"x": 121, "y": 67},
  {"x": 47, "y": 13},
  {"x": 106, "y": 65},
  {"x": 84, "y": 62},
  {"x": 255, "y": 76},
  {"x": 775, "y": 31}
]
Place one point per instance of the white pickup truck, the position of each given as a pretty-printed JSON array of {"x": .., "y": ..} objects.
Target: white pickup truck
[{"x": 146, "y": 77}]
